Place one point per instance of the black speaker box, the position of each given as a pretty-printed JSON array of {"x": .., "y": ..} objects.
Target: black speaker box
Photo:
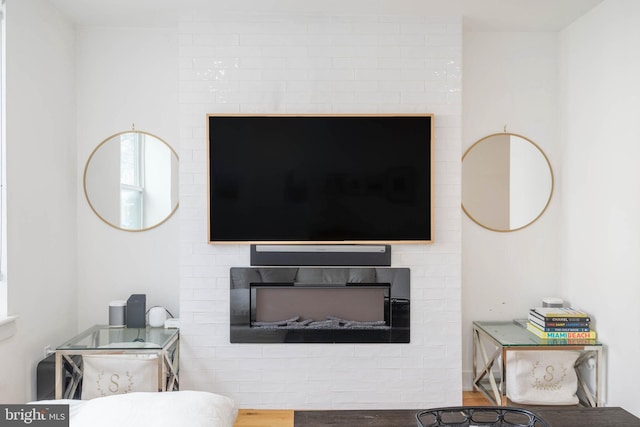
[{"x": 136, "y": 309}]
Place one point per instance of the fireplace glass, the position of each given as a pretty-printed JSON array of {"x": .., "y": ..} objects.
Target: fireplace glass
[{"x": 320, "y": 305}]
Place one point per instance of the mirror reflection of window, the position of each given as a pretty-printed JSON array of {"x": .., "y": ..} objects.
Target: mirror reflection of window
[{"x": 131, "y": 180}]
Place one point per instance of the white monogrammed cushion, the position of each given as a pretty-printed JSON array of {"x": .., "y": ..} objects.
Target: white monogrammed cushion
[
  {"x": 542, "y": 377},
  {"x": 106, "y": 375}
]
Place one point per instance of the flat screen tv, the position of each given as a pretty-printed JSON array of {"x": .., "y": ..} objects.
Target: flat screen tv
[{"x": 320, "y": 179}]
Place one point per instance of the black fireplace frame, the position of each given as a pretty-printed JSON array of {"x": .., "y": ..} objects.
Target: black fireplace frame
[{"x": 399, "y": 303}]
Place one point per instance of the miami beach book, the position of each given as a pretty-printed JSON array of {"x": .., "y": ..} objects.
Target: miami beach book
[{"x": 591, "y": 335}]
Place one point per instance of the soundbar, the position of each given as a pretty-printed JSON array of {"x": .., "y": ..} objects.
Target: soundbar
[{"x": 321, "y": 255}]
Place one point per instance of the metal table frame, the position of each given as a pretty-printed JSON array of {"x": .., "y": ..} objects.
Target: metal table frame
[
  {"x": 67, "y": 382},
  {"x": 496, "y": 356}
]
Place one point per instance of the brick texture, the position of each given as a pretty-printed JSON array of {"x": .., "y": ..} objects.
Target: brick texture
[{"x": 303, "y": 63}]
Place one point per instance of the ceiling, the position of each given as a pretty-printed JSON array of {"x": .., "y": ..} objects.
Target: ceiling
[{"x": 478, "y": 15}]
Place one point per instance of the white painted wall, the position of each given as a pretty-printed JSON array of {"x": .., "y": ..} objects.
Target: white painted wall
[
  {"x": 600, "y": 225},
  {"x": 102, "y": 181},
  {"x": 509, "y": 79},
  {"x": 41, "y": 190},
  {"x": 125, "y": 76},
  {"x": 322, "y": 63},
  {"x": 157, "y": 181},
  {"x": 531, "y": 182}
]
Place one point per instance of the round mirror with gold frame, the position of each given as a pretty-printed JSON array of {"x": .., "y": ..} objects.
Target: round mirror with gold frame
[
  {"x": 507, "y": 182},
  {"x": 131, "y": 181}
]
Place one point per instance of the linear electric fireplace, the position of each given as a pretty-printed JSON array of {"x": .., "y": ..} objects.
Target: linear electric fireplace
[{"x": 319, "y": 305}]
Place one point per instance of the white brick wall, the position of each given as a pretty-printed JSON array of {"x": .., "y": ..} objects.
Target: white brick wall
[{"x": 322, "y": 64}]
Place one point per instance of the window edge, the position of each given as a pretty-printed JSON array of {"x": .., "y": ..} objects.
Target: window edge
[{"x": 7, "y": 327}]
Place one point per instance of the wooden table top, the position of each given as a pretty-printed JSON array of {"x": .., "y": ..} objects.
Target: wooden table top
[
  {"x": 587, "y": 417},
  {"x": 556, "y": 417}
]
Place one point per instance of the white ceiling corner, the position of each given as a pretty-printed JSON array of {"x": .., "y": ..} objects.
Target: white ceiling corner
[{"x": 478, "y": 15}]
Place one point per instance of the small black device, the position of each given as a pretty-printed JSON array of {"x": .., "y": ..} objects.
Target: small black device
[{"x": 136, "y": 309}]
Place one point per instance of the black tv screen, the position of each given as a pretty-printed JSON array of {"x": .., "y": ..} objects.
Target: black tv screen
[{"x": 320, "y": 179}]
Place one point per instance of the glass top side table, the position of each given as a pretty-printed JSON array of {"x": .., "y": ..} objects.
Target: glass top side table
[
  {"x": 103, "y": 340},
  {"x": 493, "y": 339},
  {"x": 510, "y": 334},
  {"x": 99, "y": 337}
]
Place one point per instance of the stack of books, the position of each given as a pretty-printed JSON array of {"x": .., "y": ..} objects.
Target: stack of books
[{"x": 560, "y": 323}]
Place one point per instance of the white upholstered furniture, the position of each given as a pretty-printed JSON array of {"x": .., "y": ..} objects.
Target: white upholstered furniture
[{"x": 172, "y": 409}]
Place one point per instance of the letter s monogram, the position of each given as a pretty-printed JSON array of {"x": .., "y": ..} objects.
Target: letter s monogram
[
  {"x": 114, "y": 386},
  {"x": 549, "y": 373}
]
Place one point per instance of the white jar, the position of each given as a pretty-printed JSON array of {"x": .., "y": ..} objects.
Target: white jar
[{"x": 157, "y": 316}]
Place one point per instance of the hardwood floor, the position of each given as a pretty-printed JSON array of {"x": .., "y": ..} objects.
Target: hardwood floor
[
  {"x": 264, "y": 418},
  {"x": 474, "y": 398},
  {"x": 284, "y": 417}
]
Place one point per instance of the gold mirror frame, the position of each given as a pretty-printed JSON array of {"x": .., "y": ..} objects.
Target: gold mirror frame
[
  {"x": 115, "y": 138},
  {"x": 551, "y": 177}
]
